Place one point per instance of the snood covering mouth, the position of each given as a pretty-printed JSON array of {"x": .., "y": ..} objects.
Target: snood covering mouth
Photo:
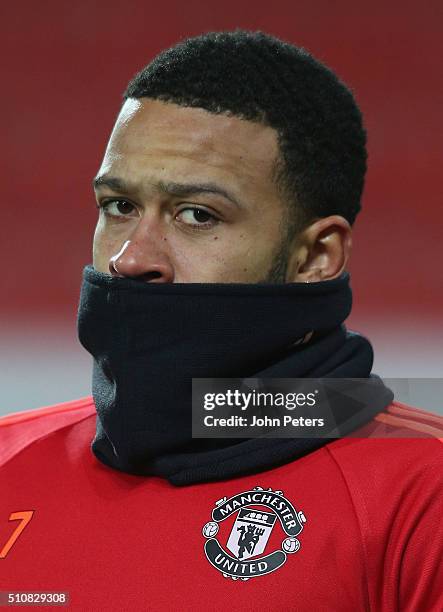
[{"x": 149, "y": 340}]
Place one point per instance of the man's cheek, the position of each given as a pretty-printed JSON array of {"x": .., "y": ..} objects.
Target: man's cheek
[{"x": 103, "y": 248}]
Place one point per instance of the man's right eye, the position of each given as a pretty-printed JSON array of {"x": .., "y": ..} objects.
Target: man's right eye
[{"x": 118, "y": 208}]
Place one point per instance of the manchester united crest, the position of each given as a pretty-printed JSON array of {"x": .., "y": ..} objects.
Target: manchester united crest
[{"x": 246, "y": 552}]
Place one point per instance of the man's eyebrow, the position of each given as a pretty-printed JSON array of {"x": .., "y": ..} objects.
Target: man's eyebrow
[
  {"x": 182, "y": 190},
  {"x": 114, "y": 183},
  {"x": 171, "y": 188}
]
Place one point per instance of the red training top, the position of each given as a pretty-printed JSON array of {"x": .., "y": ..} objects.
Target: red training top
[{"x": 353, "y": 526}]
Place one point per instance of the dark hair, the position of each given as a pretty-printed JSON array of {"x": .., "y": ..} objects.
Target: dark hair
[{"x": 258, "y": 77}]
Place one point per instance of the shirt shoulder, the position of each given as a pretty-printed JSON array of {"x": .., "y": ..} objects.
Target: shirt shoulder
[
  {"x": 410, "y": 435},
  {"x": 399, "y": 420},
  {"x": 399, "y": 450},
  {"x": 393, "y": 471},
  {"x": 21, "y": 429}
]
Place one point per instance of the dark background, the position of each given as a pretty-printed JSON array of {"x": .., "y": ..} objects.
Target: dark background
[{"x": 65, "y": 65}]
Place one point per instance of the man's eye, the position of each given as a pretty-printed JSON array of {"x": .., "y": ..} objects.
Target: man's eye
[
  {"x": 119, "y": 208},
  {"x": 197, "y": 217}
]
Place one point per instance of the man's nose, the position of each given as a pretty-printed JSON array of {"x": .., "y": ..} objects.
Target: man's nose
[{"x": 141, "y": 260}]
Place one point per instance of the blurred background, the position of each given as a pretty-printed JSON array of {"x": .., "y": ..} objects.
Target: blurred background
[{"x": 65, "y": 66}]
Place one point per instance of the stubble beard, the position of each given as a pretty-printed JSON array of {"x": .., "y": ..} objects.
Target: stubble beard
[{"x": 279, "y": 265}]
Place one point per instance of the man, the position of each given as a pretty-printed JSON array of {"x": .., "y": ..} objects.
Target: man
[{"x": 226, "y": 199}]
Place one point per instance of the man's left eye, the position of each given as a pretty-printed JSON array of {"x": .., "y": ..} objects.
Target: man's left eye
[{"x": 197, "y": 217}]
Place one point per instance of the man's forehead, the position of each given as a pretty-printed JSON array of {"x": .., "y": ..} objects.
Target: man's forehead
[{"x": 146, "y": 124}]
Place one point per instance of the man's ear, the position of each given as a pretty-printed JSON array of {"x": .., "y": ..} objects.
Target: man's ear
[{"x": 321, "y": 251}]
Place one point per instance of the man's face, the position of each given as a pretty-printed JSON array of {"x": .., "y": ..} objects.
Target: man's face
[{"x": 188, "y": 196}]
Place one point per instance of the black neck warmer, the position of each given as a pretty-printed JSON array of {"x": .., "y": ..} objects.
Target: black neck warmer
[{"x": 149, "y": 340}]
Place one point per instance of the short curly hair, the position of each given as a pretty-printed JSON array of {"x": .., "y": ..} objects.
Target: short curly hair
[{"x": 257, "y": 77}]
